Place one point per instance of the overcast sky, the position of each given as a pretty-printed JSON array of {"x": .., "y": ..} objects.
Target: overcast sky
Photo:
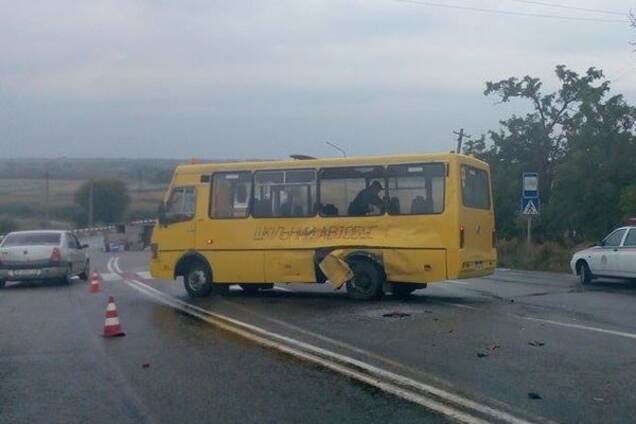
[{"x": 238, "y": 79}]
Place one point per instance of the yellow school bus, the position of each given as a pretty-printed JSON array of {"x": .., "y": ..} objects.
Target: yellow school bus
[{"x": 372, "y": 224}]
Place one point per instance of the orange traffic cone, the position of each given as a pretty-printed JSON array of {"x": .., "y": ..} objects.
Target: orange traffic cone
[
  {"x": 112, "y": 328},
  {"x": 95, "y": 287}
]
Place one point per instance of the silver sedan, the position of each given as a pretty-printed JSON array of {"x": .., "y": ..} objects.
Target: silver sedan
[{"x": 42, "y": 255}]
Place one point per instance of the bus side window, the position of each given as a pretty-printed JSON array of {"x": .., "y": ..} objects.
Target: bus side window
[
  {"x": 416, "y": 189},
  {"x": 287, "y": 193},
  {"x": 341, "y": 187},
  {"x": 231, "y": 193}
]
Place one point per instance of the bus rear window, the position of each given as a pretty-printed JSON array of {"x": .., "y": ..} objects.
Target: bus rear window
[
  {"x": 475, "y": 188},
  {"x": 31, "y": 239}
]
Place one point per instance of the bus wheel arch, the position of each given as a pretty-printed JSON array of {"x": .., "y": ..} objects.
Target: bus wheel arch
[
  {"x": 368, "y": 276},
  {"x": 197, "y": 274}
]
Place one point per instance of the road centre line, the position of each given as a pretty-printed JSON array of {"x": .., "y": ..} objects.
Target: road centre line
[{"x": 398, "y": 385}]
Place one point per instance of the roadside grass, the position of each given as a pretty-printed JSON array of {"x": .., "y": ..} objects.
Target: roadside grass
[{"x": 548, "y": 256}]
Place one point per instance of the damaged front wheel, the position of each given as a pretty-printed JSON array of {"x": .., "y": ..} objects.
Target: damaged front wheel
[{"x": 367, "y": 282}]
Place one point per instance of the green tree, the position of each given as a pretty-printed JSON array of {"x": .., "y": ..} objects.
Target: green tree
[
  {"x": 592, "y": 189},
  {"x": 628, "y": 201},
  {"x": 536, "y": 141},
  {"x": 110, "y": 200},
  {"x": 7, "y": 225}
]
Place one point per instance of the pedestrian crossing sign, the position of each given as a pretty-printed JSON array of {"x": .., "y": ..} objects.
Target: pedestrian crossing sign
[{"x": 530, "y": 206}]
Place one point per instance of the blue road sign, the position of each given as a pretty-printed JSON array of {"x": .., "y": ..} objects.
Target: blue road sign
[
  {"x": 530, "y": 185},
  {"x": 530, "y": 206}
]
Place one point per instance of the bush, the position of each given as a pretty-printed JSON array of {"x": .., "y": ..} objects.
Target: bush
[{"x": 548, "y": 256}]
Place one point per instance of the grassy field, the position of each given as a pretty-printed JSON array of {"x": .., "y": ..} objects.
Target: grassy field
[{"x": 23, "y": 200}]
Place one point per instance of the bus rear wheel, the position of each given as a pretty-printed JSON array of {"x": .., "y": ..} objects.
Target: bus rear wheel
[
  {"x": 197, "y": 280},
  {"x": 367, "y": 282}
]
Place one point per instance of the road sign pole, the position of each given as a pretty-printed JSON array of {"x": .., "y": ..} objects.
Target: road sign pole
[{"x": 529, "y": 232}]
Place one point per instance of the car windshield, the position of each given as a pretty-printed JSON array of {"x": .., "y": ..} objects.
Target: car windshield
[{"x": 31, "y": 239}]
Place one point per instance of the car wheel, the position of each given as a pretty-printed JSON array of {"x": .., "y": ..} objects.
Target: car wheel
[
  {"x": 198, "y": 280},
  {"x": 87, "y": 271},
  {"x": 67, "y": 277},
  {"x": 367, "y": 282},
  {"x": 403, "y": 290},
  {"x": 585, "y": 275},
  {"x": 2, "y": 284}
]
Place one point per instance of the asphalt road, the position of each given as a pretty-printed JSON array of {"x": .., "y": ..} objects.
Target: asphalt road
[{"x": 514, "y": 347}]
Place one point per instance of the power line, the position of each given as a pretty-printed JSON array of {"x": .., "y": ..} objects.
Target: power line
[
  {"x": 512, "y": 13},
  {"x": 562, "y": 6}
]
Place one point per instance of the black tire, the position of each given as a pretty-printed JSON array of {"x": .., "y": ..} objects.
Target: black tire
[
  {"x": 2, "y": 284},
  {"x": 585, "y": 275},
  {"x": 66, "y": 280},
  {"x": 367, "y": 282},
  {"x": 198, "y": 280},
  {"x": 403, "y": 290},
  {"x": 87, "y": 271}
]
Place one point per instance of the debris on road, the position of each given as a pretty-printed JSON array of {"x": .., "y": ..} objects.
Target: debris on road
[
  {"x": 396, "y": 314},
  {"x": 533, "y": 395},
  {"x": 536, "y": 343},
  {"x": 145, "y": 365},
  {"x": 481, "y": 354},
  {"x": 493, "y": 347}
]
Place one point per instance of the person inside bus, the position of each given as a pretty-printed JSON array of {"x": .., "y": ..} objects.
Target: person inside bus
[
  {"x": 290, "y": 208},
  {"x": 365, "y": 200}
]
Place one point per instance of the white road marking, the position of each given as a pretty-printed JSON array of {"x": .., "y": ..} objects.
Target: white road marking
[
  {"x": 144, "y": 274},
  {"x": 109, "y": 276},
  {"x": 580, "y": 327},
  {"x": 398, "y": 385}
]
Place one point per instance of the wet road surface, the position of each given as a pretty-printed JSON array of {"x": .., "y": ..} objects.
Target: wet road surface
[{"x": 532, "y": 347}]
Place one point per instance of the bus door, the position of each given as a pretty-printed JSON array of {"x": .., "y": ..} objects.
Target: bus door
[{"x": 179, "y": 225}]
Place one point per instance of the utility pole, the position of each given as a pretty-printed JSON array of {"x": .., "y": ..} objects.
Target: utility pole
[
  {"x": 460, "y": 137},
  {"x": 90, "y": 205},
  {"x": 46, "y": 196}
]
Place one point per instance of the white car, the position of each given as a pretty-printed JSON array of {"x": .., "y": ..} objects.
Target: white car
[
  {"x": 42, "y": 255},
  {"x": 614, "y": 257}
]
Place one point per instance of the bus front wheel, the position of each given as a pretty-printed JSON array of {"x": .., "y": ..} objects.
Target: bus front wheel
[
  {"x": 367, "y": 282},
  {"x": 197, "y": 280}
]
